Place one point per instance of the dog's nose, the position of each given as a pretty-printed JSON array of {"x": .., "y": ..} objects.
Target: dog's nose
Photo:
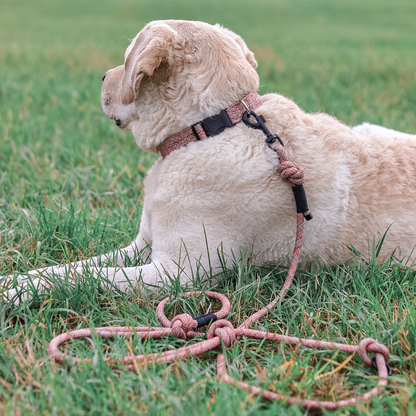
[
  {"x": 103, "y": 78},
  {"x": 118, "y": 122}
]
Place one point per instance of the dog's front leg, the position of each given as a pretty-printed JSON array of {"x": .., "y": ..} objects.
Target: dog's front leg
[
  {"x": 151, "y": 275},
  {"x": 36, "y": 280}
]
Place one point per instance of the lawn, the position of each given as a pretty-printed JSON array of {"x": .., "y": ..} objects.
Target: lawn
[{"x": 71, "y": 187}]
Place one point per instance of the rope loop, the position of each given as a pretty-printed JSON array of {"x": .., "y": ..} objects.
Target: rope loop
[
  {"x": 368, "y": 345},
  {"x": 183, "y": 324},
  {"x": 223, "y": 329}
]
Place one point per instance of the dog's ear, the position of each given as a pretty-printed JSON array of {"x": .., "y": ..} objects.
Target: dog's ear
[
  {"x": 246, "y": 51},
  {"x": 150, "y": 49}
]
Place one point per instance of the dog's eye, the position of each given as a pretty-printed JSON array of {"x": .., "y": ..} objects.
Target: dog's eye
[{"x": 103, "y": 78}]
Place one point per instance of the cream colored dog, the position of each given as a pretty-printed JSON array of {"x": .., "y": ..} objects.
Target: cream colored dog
[{"x": 217, "y": 199}]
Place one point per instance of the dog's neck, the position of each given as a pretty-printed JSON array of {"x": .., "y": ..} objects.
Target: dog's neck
[{"x": 211, "y": 126}]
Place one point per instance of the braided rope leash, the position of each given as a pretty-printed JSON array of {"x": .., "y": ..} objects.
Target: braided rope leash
[{"x": 221, "y": 330}]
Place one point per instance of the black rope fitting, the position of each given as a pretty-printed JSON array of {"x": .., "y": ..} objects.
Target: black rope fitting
[
  {"x": 301, "y": 202},
  {"x": 299, "y": 190},
  {"x": 374, "y": 362},
  {"x": 204, "y": 320}
]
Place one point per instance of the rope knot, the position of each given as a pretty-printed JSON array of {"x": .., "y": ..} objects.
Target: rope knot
[
  {"x": 182, "y": 324},
  {"x": 293, "y": 173},
  {"x": 371, "y": 345},
  {"x": 223, "y": 329}
]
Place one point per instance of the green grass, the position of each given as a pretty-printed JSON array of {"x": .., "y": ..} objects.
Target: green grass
[{"x": 71, "y": 186}]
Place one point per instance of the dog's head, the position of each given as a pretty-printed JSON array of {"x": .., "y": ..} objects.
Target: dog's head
[{"x": 176, "y": 73}]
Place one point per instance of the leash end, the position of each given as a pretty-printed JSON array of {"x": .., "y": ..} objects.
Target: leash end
[
  {"x": 301, "y": 202},
  {"x": 308, "y": 215}
]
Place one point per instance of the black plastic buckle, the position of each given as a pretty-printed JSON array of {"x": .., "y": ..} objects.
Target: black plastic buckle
[
  {"x": 216, "y": 124},
  {"x": 194, "y": 131}
]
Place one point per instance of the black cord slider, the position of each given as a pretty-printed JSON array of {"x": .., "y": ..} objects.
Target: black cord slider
[{"x": 204, "y": 320}]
